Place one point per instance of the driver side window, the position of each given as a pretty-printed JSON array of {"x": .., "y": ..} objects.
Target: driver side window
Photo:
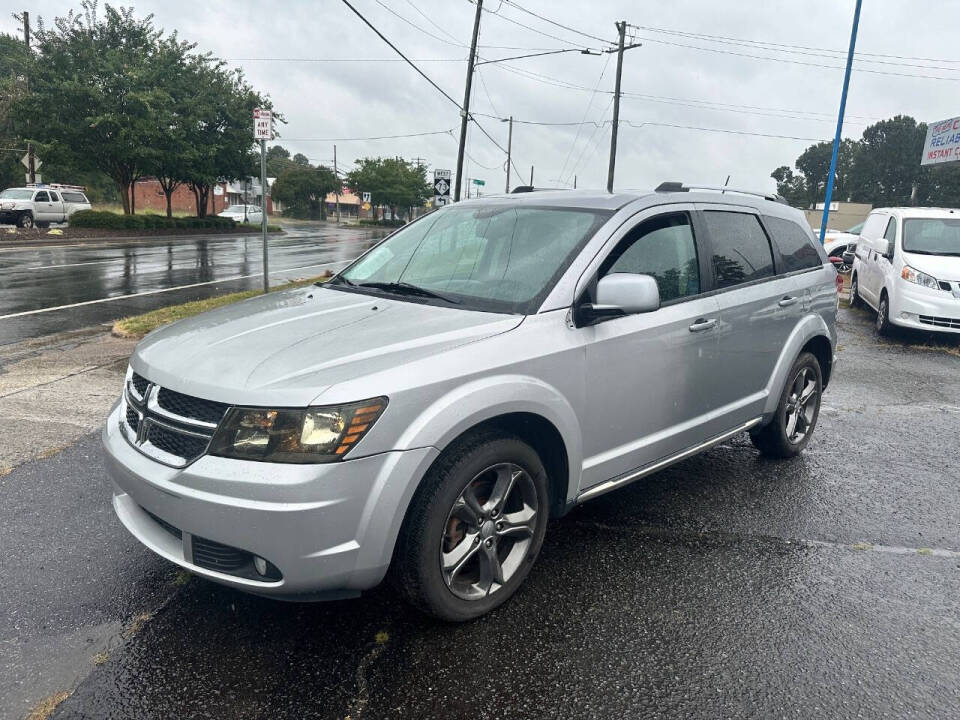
[{"x": 664, "y": 248}]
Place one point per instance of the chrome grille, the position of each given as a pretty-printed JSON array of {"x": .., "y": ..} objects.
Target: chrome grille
[{"x": 170, "y": 427}]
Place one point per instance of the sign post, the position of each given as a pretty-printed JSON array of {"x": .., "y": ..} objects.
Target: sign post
[
  {"x": 263, "y": 131},
  {"x": 441, "y": 188}
]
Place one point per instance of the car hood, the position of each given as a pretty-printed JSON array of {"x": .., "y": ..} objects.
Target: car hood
[
  {"x": 942, "y": 267},
  {"x": 287, "y": 347}
]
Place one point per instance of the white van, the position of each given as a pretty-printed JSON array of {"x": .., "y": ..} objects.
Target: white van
[{"x": 906, "y": 266}]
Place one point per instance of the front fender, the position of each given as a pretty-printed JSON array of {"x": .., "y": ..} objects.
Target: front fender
[
  {"x": 468, "y": 405},
  {"x": 808, "y": 328}
]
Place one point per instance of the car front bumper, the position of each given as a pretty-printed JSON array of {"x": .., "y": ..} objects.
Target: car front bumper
[
  {"x": 925, "y": 309},
  {"x": 329, "y": 528}
]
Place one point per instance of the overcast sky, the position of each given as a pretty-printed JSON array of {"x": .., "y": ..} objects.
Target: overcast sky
[{"x": 315, "y": 60}]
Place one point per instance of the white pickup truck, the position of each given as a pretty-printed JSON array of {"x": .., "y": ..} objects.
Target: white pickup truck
[{"x": 41, "y": 205}]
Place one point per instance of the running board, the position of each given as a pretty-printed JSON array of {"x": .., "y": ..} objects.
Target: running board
[{"x": 609, "y": 485}]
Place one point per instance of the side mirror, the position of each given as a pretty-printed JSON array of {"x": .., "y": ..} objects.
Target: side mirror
[
  {"x": 888, "y": 249},
  {"x": 621, "y": 294},
  {"x": 848, "y": 257}
]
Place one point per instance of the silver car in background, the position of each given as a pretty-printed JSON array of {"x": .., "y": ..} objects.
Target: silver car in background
[{"x": 483, "y": 369}]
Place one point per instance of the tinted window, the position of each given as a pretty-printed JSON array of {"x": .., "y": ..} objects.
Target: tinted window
[
  {"x": 54, "y": 196},
  {"x": 74, "y": 197},
  {"x": 42, "y": 197},
  {"x": 794, "y": 243},
  {"x": 741, "y": 251},
  {"x": 664, "y": 248}
]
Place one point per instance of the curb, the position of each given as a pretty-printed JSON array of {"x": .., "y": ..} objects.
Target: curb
[{"x": 16, "y": 244}]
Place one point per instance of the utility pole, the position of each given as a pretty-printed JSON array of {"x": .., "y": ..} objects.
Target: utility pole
[
  {"x": 31, "y": 158},
  {"x": 574, "y": 182},
  {"x": 509, "y": 150},
  {"x": 465, "y": 112},
  {"x": 622, "y": 30},
  {"x": 531, "y": 176},
  {"x": 263, "y": 214},
  {"x": 337, "y": 176}
]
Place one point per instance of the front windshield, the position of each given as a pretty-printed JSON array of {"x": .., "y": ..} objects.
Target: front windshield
[
  {"x": 16, "y": 194},
  {"x": 235, "y": 208},
  {"x": 932, "y": 236},
  {"x": 500, "y": 258}
]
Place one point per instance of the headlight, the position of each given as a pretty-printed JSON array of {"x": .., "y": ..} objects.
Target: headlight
[
  {"x": 915, "y": 276},
  {"x": 310, "y": 435}
]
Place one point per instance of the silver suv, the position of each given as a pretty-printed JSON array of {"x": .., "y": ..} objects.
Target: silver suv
[{"x": 483, "y": 369}]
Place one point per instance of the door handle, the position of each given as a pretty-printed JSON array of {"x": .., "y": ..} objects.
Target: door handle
[
  {"x": 787, "y": 301},
  {"x": 703, "y": 324}
]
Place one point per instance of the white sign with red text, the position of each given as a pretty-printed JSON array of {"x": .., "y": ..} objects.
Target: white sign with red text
[
  {"x": 262, "y": 124},
  {"x": 943, "y": 142}
]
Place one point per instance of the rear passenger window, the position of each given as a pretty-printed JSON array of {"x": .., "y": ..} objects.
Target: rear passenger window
[
  {"x": 664, "y": 248},
  {"x": 74, "y": 197},
  {"x": 741, "y": 251},
  {"x": 795, "y": 245}
]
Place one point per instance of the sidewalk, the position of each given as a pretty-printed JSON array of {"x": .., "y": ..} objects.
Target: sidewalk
[{"x": 55, "y": 389}]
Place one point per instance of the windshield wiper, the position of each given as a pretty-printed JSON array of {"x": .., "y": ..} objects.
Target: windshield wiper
[
  {"x": 405, "y": 288},
  {"x": 338, "y": 280}
]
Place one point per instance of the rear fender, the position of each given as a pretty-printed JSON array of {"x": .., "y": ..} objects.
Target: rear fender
[{"x": 809, "y": 327}]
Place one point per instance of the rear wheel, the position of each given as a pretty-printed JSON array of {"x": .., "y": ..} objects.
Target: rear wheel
[
  {"x": 25, "y": 220},
  {"x": 796, "y": 417},
  {"x": 883, "y": 316},
  {"x": 474, "y": 528}
]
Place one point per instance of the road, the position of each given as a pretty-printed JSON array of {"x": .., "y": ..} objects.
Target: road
[
  {"x": 726, "y": 586},
  {"x": 51, "y": 289}
]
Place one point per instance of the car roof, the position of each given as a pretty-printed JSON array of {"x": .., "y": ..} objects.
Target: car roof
[
  {"x": 602, "y": 200},
  {"x": 920, "y": 212}
]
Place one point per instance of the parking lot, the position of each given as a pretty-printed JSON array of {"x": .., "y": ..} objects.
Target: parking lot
[{"x": 727, "y": 586}]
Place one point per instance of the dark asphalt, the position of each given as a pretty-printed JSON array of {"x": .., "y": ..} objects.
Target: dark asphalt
[
  {"x": 726, "y": 586},
  {"x": 78, "y": 285}
]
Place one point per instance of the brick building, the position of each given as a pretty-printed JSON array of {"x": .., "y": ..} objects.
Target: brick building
[{"x": 148, "y": 195}]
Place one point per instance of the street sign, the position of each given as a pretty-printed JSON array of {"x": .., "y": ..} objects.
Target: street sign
[
  {"x": 477, "y": 181},
  {"x": 26, "y": 162},
  {"x": 441, "y": 188},
  {"x": 366, "y": 197},
  {"x": 942, "y": 144},
  {"x": 262, "y": 124}
]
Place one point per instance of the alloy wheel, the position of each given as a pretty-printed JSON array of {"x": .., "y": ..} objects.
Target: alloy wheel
[
  {"x": 853, "y": 291},
  {"x": 488, "y": 531},
  {"x": 882, "y": 315},
  {"x": 801, "y": 405}
]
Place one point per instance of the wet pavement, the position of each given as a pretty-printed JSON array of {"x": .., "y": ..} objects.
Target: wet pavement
[
  {"x": 726, "y": 586},
  {"x": 63, "y": 287}
]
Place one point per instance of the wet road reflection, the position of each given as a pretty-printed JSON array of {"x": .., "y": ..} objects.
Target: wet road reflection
[{"x": 50, "y": 289}]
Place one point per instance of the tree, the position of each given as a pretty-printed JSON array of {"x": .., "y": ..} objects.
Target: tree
[
  {"x": 887, "y": 165},
  {"x": 304, "y": 190},
  {"x": 790, "y": 186},
  {"x": 301, "y": 159},
  {"x": 393, "y": 182},
  {"x": 14, "y": 60},
  {"x": 278, "y": 160}
]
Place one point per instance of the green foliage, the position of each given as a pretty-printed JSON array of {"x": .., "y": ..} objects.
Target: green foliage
[
  {"x": 115, "y": 221},
  {"x": 115, "y": 96},
  {"x": 278, "y": 160},
  {"x": 882, "y": 169},
  {"x": 393, "y": 182},
  {"x": 303, "y": 190}
]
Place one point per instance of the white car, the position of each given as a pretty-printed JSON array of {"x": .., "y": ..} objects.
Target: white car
[
  {"x": 41, "y": 205},
  {"x": 907, "y": 267},
  {"x": 244, "y": 213}
]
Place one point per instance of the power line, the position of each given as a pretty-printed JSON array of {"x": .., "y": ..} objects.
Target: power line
[
  {"x": 556, "y": 24},
  {"x": 431, "y": 21},
  {"x": 761, "y": 43},
  {"x": 720, "y": 130},
  {"x": 417, "y": 27},
  {"x": 377, "y": 137},
  {"x": 527, "y": 27},
  {"x": 397, "y": 50},
  {"x": 796, "y": 62},
  {"x": 586, "y": 111}
]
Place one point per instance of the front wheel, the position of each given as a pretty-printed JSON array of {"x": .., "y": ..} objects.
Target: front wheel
[
  {"x": 796, "y": 417},
  {"x": 883, "y": 316},
  {"x": 855, "y": 292},
  {"x": 25, "y": 221},
  {"x": 474, "y": 528}
]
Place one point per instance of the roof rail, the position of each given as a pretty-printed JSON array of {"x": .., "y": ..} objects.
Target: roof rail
[{"x": 680, "y": 187}]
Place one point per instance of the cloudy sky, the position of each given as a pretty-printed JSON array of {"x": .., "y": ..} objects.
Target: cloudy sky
[{"x": 716, "y": 89}]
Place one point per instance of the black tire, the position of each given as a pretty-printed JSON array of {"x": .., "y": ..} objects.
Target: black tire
[
  {"x": 884, "y": 328},
  {"x": 416, "y": 570},
  {"x": 25, "y": 220},
  {"x": 855, "y": 300},
  {"x": 772, "y": 439}
]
